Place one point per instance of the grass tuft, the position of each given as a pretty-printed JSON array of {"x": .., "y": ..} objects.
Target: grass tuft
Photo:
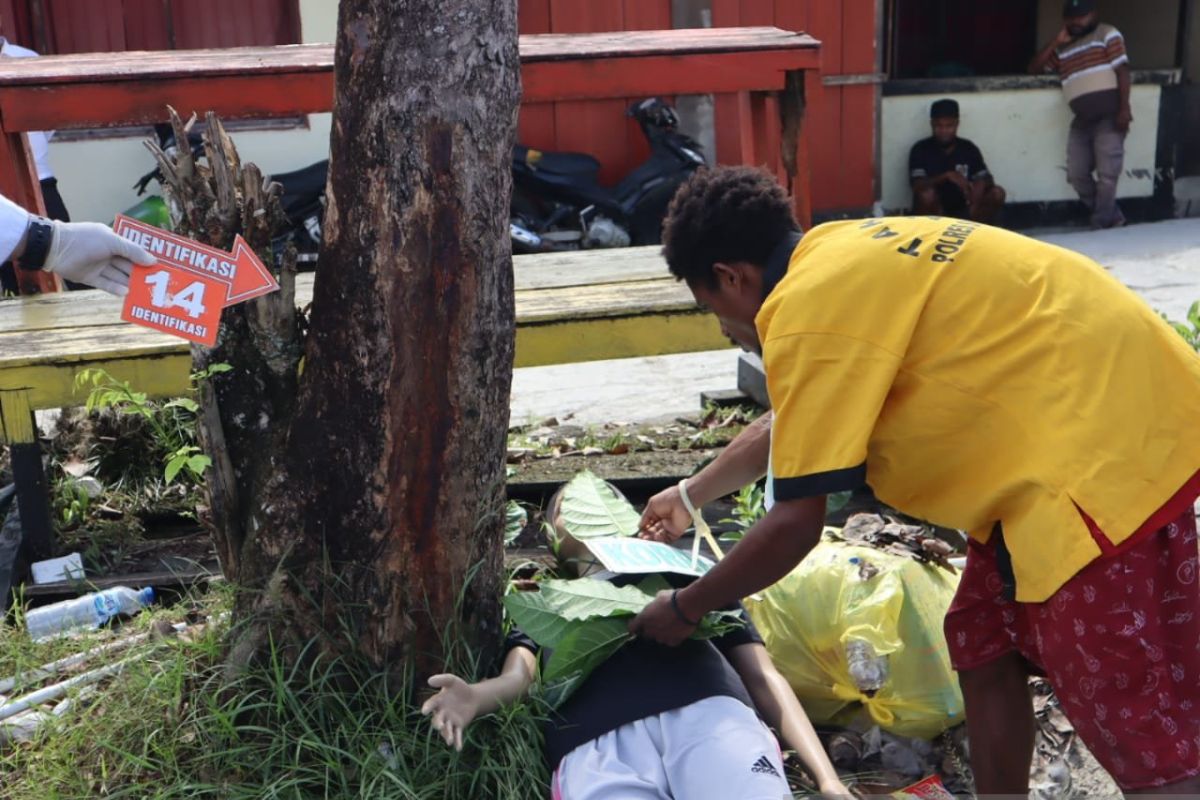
[{"x": 321, "y": 727}]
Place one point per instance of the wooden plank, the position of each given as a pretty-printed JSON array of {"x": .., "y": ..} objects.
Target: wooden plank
[
  {"x": 87, "y": 309},
  {"x": 162, "y": 371},
  {"x": 52, "y": 384},
  {"x": 141, "y": 66},
  {"x": 588, "y": 267},
  {"x": 159, "y": 365},
  {"x": 62, "y": 106},
  {"x": 606, "y": 300},
  {"x": 268, "y": 92},
  {"x": 701, "y": 73},
  {"x": 81, "y": 346},
  {"x": 158, "y": 579},
  {"x": 33, "y": 339},
  {"x": 622, "y": 337},
  {"x": 16, "y": 417}
]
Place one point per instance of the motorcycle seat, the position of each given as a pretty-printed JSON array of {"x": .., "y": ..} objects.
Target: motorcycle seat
[
  {"x": 309, "y": 180},
  {"x": 578, "y": 165}
]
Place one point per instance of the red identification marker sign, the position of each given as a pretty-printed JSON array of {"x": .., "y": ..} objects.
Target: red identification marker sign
[{"x": 183, "y": 293}]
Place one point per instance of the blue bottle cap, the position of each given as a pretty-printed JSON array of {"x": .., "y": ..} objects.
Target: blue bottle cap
[{"x": 146, "y": 596}]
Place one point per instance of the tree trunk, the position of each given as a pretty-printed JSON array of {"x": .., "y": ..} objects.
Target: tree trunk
[{"x": 377, "y": 517}]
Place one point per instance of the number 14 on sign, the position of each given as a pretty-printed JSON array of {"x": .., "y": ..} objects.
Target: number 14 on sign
[
  {"x": 175, "y": 301},
  {"x": 190, "y": 298}
]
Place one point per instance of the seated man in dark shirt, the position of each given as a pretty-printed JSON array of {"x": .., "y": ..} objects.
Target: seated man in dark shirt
[
  {"x": 676, "y": 723},
  {"x": 948, "y": 175}
]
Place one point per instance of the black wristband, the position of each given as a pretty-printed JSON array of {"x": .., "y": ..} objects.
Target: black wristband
[
  {"x": 679, "y": 611},
  {"x": 37, "y": 243}
]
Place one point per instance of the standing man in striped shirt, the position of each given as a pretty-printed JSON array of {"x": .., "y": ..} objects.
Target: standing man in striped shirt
[{"x": 1090, "y": 58}]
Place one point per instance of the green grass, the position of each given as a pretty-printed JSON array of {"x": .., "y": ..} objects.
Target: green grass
[{"x": 168, "y": 727}]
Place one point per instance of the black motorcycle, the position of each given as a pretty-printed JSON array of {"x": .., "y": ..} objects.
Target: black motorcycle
[{"x": 558, "y": 203}]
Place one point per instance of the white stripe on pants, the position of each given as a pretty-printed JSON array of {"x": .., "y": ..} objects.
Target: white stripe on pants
[{"x": 714, "y": 748}]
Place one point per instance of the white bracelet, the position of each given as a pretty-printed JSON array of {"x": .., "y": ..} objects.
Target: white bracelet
[
  {"x": 702, "y": 529},
  {"x": 687, "y": 501}
]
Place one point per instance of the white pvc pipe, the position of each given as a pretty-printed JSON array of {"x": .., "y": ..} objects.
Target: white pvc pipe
[
  {"x": 57, "y": 690},
  {"x": 55, "y": 667}
]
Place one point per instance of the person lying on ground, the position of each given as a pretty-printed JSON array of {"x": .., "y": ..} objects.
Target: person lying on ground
[
  {"x": 983, "y": 381},
  {"x": 84, "y": 252},
  {"x": 656, "y": 722}
]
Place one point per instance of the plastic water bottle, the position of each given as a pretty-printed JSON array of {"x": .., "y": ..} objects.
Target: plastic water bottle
[
  {"x": 90, "y": 611},
  {"x": 868, "y": 670}
]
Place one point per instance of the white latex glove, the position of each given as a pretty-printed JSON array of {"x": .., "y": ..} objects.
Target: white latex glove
[
  {"x": 88, "y": 252},
  {"x": 453, "y": 708}
]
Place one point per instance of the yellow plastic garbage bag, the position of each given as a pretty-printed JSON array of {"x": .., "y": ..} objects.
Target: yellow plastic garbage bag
[{"x": 853, "y": 627}]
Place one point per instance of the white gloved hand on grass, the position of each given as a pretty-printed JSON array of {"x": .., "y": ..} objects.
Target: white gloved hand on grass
[
  {"x": 88, "y": 252},
  {"x": 453, "y": 707}
]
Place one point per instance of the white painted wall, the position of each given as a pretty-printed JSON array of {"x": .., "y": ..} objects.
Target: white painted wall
[
  {"x": 1023, "y": 136},
  {"x": 95, "y": 176}
]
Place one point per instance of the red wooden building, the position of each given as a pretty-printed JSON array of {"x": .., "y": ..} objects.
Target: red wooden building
[{"x": 842, "y": 119}]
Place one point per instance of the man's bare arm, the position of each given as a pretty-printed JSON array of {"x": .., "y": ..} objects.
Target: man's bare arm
[
  {"x": 742, "y": 462},
  {"x": 1041, "y": 62},
  {"x": 769, "y": 550}
]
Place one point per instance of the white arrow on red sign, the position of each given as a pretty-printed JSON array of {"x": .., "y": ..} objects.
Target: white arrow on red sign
[{"x": 244, "y": 275}]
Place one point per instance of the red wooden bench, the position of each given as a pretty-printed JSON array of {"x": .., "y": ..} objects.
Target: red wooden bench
[{"x": 767, "y": 69}]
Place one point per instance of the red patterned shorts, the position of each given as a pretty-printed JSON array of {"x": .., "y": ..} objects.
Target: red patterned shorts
[{"x": 1119, "y": 642}]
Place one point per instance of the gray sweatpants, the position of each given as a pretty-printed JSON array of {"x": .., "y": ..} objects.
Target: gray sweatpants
[{"x": 1100, "y": 147}]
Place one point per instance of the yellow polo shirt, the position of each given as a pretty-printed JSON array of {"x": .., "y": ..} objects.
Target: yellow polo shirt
[{"x": 975, "y": 376}]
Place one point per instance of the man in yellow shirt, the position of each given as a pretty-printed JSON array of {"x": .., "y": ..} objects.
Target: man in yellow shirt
[{"x": 983, "y": 381}]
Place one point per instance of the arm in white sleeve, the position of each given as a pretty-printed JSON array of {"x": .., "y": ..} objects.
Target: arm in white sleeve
[{"x": 13, "y": 222}]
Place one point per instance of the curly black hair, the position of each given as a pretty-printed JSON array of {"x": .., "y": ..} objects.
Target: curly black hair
[{"x": 726, "y": 215}]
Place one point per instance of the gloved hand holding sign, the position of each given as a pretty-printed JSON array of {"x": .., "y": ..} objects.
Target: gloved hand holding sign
[
  {"x": 88, "y": 252},
  {"x": 85, "y": 252}
]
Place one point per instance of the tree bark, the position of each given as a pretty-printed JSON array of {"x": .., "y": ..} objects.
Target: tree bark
[{"x": 376, "y": 520}]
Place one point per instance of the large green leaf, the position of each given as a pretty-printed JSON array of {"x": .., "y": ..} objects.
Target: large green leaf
[
  {"x": 718, "y": 623},
  {"x": 587, "y": 598},
  {"x": 585, "y": 621},
  {"x": 586, "y": 645},
  {"x": 545, "y": 616},
  {"x": 653, "y": 584},
  {"x": 536, "y": 618},
  {"x": 589, "y": 508}
]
